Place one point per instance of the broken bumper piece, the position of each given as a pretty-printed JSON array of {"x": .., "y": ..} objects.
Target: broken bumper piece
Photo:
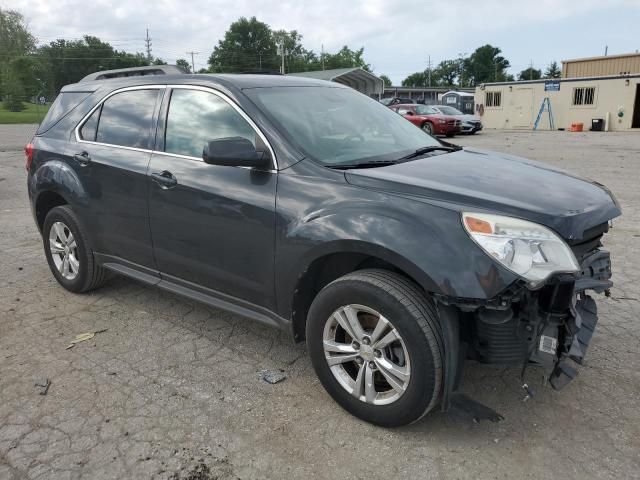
[
  {"x": 582, "y": 318},
  {"x": 585, "y": 317}
]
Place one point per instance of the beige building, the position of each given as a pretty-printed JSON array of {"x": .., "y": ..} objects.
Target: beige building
[
  {"x": 608, "y": 65},
  {"x": 615, "y": 99}
]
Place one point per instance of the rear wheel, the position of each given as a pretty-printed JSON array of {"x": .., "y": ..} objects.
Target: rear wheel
[
  {"x": 375, "y": 344},
  {"x": 427, "y": 127},
  {"x": 68, "y": 252}
]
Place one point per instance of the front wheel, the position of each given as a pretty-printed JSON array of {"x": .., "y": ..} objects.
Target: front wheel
[
  {"x": 375, "y": 344},
  {"x": 427, "y": 127}
]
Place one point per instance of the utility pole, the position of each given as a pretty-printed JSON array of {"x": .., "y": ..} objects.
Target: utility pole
[
  {"x": 495, "y": 70},
  {"x": 322, "y": 55},
  {"x": 282, "y": 54},
  {"x": 147, "y": 42},
  {"x": 193, "y": 64},
  {"x": 606, "y": 50},
  {"x": 530, "y": 69},
  {"x": 461, "y": 57},
  {"x": 429, "y": 69}
]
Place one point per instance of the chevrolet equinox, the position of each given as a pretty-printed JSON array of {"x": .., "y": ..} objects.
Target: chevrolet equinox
[{"x": 308, "y": 206}]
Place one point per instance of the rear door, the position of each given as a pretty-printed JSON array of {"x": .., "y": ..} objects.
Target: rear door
[
  {"x": 112, "y": 153},
  {"x": 213, "y": 227}
]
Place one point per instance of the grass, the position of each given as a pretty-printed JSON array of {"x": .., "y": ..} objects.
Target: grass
[{"x": 32, "y": 113}]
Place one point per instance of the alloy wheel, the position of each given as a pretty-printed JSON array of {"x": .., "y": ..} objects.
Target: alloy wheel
[
  {"x": 366, "y": 354},
  {"x": 64, "y": 250}
]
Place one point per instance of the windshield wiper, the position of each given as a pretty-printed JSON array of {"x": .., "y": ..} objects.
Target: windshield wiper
[
  {"x": 371, "y": 164},
  {"x": 432, "y": 148}
]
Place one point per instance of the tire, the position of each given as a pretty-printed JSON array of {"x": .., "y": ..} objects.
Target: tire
[
  {"x": 62, "y": 228},
  {"x": 417, "y": 352},
  {"x": 427, "y": 127}
]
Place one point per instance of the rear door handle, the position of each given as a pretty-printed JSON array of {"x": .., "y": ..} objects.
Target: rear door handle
[
  {"x": 165, "y": 179},
  {"x": 82, "y": 158}
]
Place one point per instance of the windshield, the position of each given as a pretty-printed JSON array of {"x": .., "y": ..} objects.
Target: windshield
[
  {"x": 424, "y": 110},
  {"x": 335, "y": 125},
  {"x": 449, "y": 110}
]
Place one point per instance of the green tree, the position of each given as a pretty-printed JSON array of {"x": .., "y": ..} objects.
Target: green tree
[
  {"x": 386, "y": 80},
  {"x": 15, "y": 44},
  {"x": 62, "y": 61},
  {"x": 485, "y": 64},
  {"x": 530, "y": 74},
  {"x": 552, "y": 71},
  {"x": 346, "y": 58},
  {"x": 248, "y": 45},
  {"x": 445, "y": 73},
  {"x": 13, "y": 92},
  {"x": 297, "y": 58},
  {"x": 418, "y": 79},
  {"x": 184, "y": 64}
]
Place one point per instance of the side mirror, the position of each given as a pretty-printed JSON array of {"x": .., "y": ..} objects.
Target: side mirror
[
  {"x": 408, "y": 114},
  {"x": 234, "y": 152}
]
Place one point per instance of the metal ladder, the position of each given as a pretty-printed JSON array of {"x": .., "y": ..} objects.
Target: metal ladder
[{"x": 546, "y": 106}]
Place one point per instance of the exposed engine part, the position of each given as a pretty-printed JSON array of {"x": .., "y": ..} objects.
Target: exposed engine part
[
  {"x": 500, "y": 342},
  {"x": 495, "y": 317}
]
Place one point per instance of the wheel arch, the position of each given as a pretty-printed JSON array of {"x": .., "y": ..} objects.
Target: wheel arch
[
  {"x": 45, "y": 201},
  {"x": 53, "y": 184},
  {"x": 338, "y": 260}
]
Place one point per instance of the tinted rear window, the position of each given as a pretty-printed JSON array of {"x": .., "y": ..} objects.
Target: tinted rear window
[
  {"x": 63, "y": 104},
  {"x": 127, "y": 118}
]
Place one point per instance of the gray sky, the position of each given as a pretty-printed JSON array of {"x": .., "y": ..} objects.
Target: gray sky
[{"x": 398, "y": 36}]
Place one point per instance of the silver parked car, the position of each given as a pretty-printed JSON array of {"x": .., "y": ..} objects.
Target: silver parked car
[{"x": 470, "y": 123}]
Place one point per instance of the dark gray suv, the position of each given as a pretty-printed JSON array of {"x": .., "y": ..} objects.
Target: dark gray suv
[{"x": 305, "y": 205}]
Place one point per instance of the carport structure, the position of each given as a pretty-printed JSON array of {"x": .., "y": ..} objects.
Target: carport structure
[{"x": 356, "y": 78}]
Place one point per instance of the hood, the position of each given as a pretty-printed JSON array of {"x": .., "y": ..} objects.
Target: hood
[
  {"x": 468, "y": 118},
  {"x": 476, "y": 180},
  {"x": 427, "y": 116}
]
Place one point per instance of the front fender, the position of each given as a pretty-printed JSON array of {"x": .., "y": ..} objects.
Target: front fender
[{"x": 426, "y": 241}]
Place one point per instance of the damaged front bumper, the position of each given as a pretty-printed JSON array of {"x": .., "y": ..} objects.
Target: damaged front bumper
[{"x": 550, "y": 327}]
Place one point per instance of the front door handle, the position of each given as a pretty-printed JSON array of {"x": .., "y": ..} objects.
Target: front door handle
[
  {"x": 82, "y": 158},
  {"x": 165, "y": 179}
]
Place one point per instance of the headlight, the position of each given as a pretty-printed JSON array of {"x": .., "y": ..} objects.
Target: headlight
[
  {"x": 530, "y": 250},
  {"x": 442, "y": 121}
]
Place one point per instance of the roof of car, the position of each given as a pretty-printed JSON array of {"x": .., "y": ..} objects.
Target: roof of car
[{"x": 241, "y": 81}]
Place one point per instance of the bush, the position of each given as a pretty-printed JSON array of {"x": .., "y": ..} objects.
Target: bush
[
  {"x": 13, "y": 93},
  {"x": 13, "y": 103}
]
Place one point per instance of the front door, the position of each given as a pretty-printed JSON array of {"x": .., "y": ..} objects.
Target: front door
[
  {"x": 212, "y": 226},
  {"x": 522, "y": 107}
]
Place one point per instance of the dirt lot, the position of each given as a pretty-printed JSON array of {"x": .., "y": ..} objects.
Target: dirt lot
[{"x": 171, "y": 388}]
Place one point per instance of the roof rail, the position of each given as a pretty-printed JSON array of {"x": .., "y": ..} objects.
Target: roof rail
[{"x": 134, "y": 72}]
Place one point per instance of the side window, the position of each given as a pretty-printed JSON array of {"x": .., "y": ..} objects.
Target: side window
[
  {"x": 127, "y": 118},
  {"x": 196, "y": 117},
  {"x": 90, "y": 127}
]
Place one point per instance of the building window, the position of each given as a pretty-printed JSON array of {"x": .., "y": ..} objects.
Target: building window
[
  {"x": 493, "y": 99},
  {"x": 584, "y": 96}
]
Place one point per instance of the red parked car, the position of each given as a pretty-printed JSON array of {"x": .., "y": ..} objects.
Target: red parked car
[{"x": 428, "y": 119}]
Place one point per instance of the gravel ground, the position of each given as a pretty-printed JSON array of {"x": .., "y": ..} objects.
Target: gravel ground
[{"x": 171, "y": 389}]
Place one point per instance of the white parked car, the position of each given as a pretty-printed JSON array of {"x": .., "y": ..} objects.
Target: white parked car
[{"x": 470, "y": 123}]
